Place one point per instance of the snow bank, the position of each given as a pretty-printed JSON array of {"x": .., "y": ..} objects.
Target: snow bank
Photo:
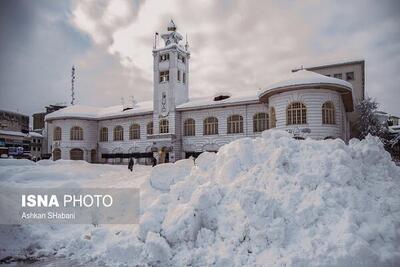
[
  {"x": 164, "y": 175},
  {"x": 269, "y": 201},
  {"x": 276, "y": 201},
  {"x": 16, "y": 162}
]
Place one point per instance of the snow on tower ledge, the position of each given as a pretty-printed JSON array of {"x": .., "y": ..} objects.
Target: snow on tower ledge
[{"x": 304, "y": 79}]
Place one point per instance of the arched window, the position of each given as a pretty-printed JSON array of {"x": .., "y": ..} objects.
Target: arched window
[
  {"x": 272, "y": 120},
  {"x": 235, "y": 124},
  {"x": 164, "y": 126},
  {"x": 150, "y": 128},
  {"x": 76, "y": 133},
  {"x": 189, "y": 127},
  {"x": 118, "y": 133},
  {"x": 56, "y": 154},
  {"x": 104, "y": 134},
  {"x": 57, "y": 134},
  {"x": 210, "y": 126},
  {"x": 328, "y": 113},
  {"x": 134, "y": 131},
  {"x": 260, "y": 122},
  {"x": 296, "y": 113}
]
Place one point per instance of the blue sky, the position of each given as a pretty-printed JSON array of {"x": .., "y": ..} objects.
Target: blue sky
[{"x": 236, "y": 45}]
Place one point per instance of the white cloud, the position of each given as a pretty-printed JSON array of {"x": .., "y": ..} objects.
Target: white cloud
[
  {"x": 100, "y": 19},
  {"x": 243, "y": 45}
]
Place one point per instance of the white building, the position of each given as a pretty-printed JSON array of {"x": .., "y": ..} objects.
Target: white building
[{"x": 173, "y": 126}]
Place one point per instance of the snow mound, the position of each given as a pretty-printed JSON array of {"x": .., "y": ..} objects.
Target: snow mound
[
  {"x": 276, "y": 201},
  {"x": 268, "y": 201},
  {"x": 16, "y": 162},
  {"x": 164, "y": 175}
]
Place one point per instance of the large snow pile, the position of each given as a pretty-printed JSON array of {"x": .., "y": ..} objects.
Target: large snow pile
[
  {"x": 269, "y": 201},
  {"x": 276, "y": 201}
]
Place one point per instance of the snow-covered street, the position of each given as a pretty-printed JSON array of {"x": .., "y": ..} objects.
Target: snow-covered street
[{"x": 269, "y": 201}]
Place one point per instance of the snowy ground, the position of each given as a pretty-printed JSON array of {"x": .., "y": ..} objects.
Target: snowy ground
[{"x": 270, "y": 201}]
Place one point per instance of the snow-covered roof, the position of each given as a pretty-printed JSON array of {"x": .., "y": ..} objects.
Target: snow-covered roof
[
  {"x": 305, "y": 77},
  {"x": 206, "y": 102},
  {"x": 14, "y": 133},
  {"x": 308, "y": 79},
  {"x": 90, "y": 112},
  {"x": 295, "y": 81},
  {"x": 35, "y": 134},
  {"x": 21, "y": 134}
]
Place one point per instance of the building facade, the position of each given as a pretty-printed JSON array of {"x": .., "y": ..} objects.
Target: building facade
[
  {"x": 15, "y": 138},
  {"x": 174, "y": 126},
  {"x": 14, "y": 121},
  {"x": 39, "y": 126},
  {"x": 352, "y": 72}
]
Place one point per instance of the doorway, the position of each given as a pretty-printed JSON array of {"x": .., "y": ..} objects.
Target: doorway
[
  {"x": 164, "y": 155},
  {"x": 76, "y": 154},
  {"x": 93, "y": 156},
  {"x": 56, "y": 154}
]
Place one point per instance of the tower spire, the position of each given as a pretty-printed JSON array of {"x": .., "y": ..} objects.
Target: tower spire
[{"x": 171, "y": 26}]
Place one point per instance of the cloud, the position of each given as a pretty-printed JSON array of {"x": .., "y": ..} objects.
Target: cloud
[
  {"x": 37, "y": 50},
  {"x": 235, "y": 45},
  {"x": 100, "y": 18}
]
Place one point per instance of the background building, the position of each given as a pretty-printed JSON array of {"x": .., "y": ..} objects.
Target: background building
[
  {"x": 39, "y": 127},
  {"x": 13, "y": 121},
  {"x": 15, "y": 138}
]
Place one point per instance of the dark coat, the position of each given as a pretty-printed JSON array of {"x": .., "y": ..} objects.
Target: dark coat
[{"x": 130, "y": 164}]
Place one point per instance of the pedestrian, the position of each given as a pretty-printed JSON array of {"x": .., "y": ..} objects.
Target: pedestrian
[
  {"x": 154, "y": 161},
  {"x": 130, "y": 164}
]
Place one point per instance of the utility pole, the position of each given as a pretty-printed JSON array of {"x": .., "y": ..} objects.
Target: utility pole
[{"x": 73, "y": 85}]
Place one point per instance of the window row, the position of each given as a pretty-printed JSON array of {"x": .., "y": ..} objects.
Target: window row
[
  {"x": 296, "y": 113},
  {"x": 164, "y": 76},
  {"x": 118, "y": 132},
  {"x": 234, "y": 125},
  {"x": 76, "y": 133},
  {"x": 165, "y": 57},
  {"x": 349, "y": 76}
]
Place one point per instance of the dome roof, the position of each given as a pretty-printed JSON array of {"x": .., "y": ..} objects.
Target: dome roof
[{"x": 304, "y": 79}]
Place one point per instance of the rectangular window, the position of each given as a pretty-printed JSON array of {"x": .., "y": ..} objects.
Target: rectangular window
[
  {"x": 164, "y": 57},
  {"x": 350, "y": 76},
  {"x": 328, "y": 75},
  {"x": 337, "y": 76},
  {"x": 181, "y": 58},
  {"x": 164, "y": 76},
  {"x": 184, "y": 77},
  {"x": 179, "y": 75}
]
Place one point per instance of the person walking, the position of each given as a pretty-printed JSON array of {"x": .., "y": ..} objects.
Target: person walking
[
  {"x": 154, "y": 161},
  {"x": 130, "y": 164}
]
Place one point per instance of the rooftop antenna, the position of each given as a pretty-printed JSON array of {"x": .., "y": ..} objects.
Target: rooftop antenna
[
  {"x": 155, "y": 40},
  {"x": 73, "y": 85}
]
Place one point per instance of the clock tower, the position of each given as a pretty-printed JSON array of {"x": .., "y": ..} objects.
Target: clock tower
[{"x": 171, "y": 87}]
